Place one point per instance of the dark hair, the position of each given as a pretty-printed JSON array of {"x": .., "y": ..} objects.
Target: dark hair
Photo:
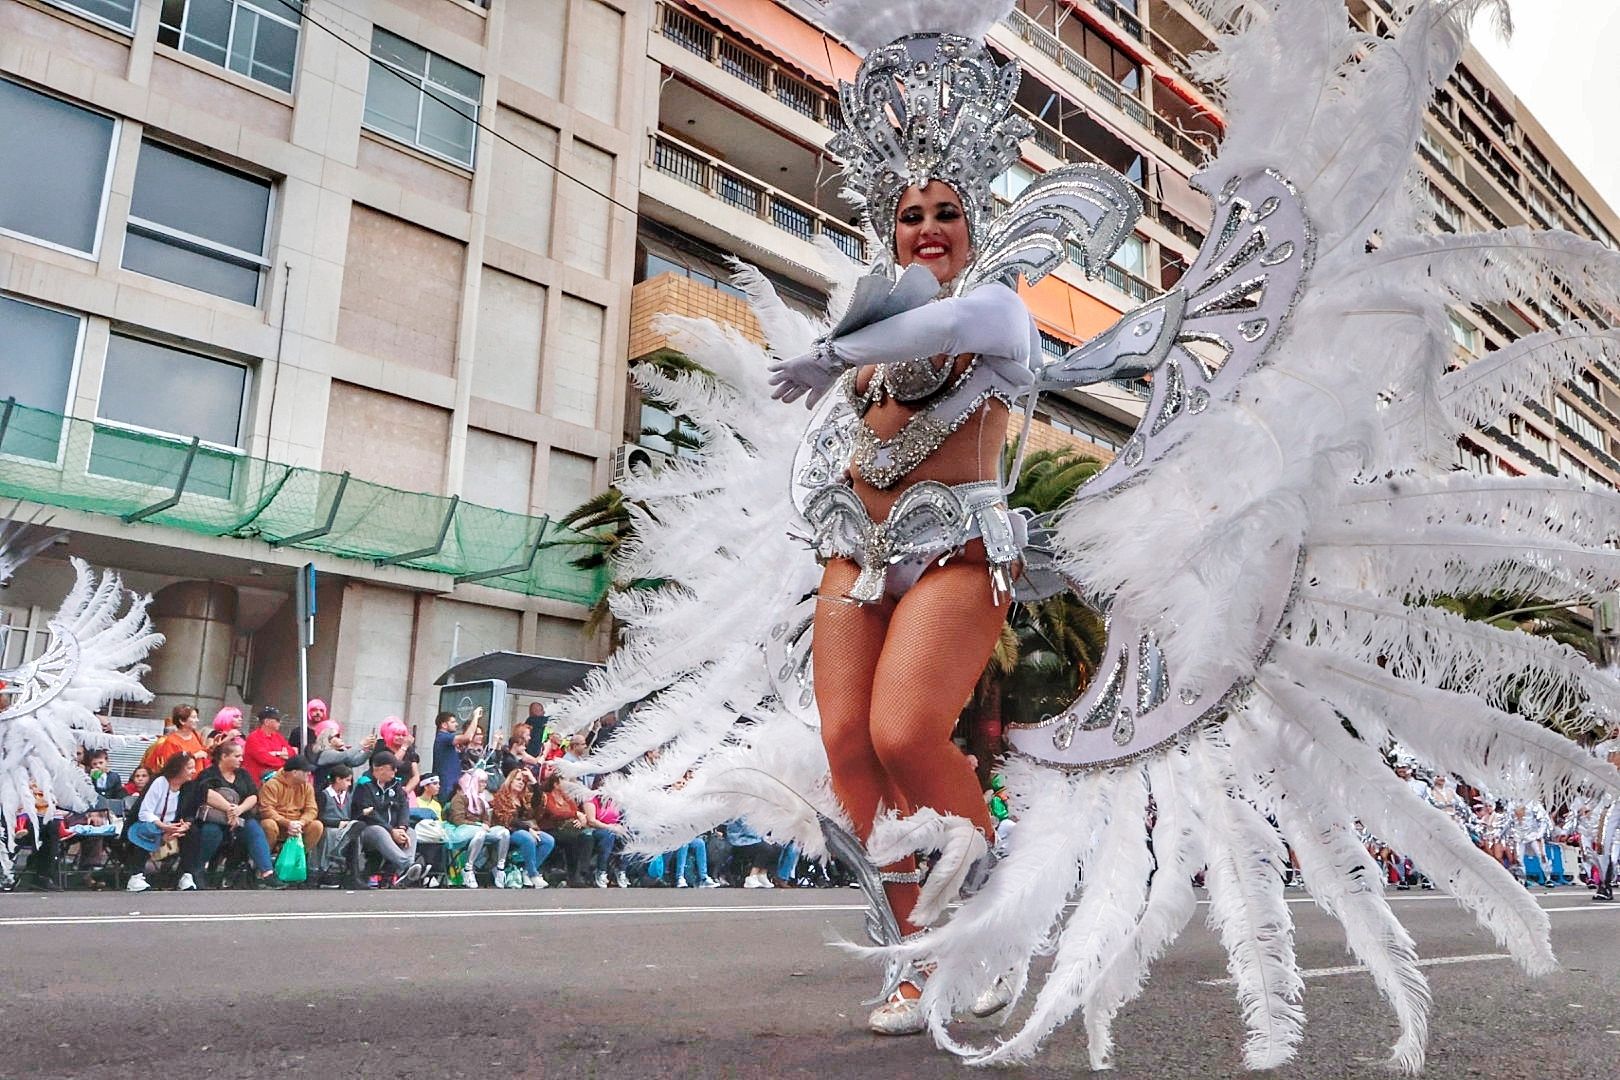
[
  {"x": 224, "y": 748},
  {"x": 172, "y": 769},
  {"x": 384, "y": 757},
  {"x": 338, "y": 770},
  {"x": 90, "y": 754},
  {"x": 180, "y": 712},
  {"x": 296, "y": 763},
  {"x": 438, "y": 721}
]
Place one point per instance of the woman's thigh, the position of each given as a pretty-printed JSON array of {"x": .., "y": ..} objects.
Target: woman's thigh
[{"x": 847, "y": 643}]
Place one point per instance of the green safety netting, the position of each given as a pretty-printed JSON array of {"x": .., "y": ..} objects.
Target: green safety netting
[{"x": 81, "y": 465}]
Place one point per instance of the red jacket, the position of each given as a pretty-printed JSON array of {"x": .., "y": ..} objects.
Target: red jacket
[{"x": 265, "y": 751}]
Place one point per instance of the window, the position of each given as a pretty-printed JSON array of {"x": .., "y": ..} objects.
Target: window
[
  {"x": 1447, "y": 214},
  {"x": 1011, "y": 184},
  {"x": 54, "y": 164},
  {"x": 1131, "y": 256},
  {"x": 39, "y": 348},
  {"x": 423, "y": 99},
  {"x": 1462, "y": 333},
  {"x": 256, "y": 38},
  {"x": 1475, "y": 460},
  {"x": 197, "y": 224},
  {"x": 657, "y": 264},
  {"x": 119, "y": 14},
  {"x": 658, "y": 424},
  {"x": 163, "y": 396}
]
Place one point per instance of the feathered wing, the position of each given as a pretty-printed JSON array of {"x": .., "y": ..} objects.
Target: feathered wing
[
  {"x": 98, "y": 642},
  {"x": 21, "y": 541},
  {"x": 1266, "y": 548}
]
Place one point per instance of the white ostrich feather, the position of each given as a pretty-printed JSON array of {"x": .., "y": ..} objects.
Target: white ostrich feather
[
  {"x": 871, "y": 24},
  {"x": 1534, "y": 507},
  {"x": 1339, "y": 873},
  {"x": 1440, "y": 649},
  {"x": 1355, "y": 774},
  {"x": 1248, "y": 910}
]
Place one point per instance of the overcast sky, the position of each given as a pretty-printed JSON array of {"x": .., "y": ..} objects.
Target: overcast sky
[{"x": 1564, "y": 64}]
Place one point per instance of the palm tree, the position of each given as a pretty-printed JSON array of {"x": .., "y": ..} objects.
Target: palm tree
[{"x": 1049, "y": 649}]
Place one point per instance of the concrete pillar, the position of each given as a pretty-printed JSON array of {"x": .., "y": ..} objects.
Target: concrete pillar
[{"x": 198, "y": 622}]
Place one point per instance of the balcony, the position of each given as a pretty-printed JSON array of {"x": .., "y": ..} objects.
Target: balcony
[
  {"x": 743, "y": 192},
  {"x": 704, "y": 39},
  {"x": 1072, "y": 63},
  {"x": 672, "y": 294},
  {"x": 163, "y": 480}
]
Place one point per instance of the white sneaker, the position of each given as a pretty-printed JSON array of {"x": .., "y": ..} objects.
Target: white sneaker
[
  {"x": 186, "y": 884},
  {"x": 500, "y": 877},
  {"x": 137, "y": 883},
  {"x": 680, "y": 883},
  {"x": 469, "y": 880},
  {"x": 755, "y": 881},
  {"x": 621, "y": 881},
  {"x": 536, "y": 881},
  {"x": 708, "y": 883},
  {"x": 765, "y": 882},
  {"x": 601, "y": 879}
]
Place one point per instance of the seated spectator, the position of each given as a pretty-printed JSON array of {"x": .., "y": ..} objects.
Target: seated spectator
[
  {"x": 108, "y": 784},
  {"x": 383, "y": 814},
  {"x": 138, "y": 781},
  {"x": 222, "y": 800},
  {"x": 46, "y": 840},
  {"x": 579, "y": 748},
  {"x": 432, "y": 842},
  {"x": 516, "y": 755},
  {"x": 327, "y": 750},
  {"x": 287, "y": 807},
  {"x": 558, "y": 814},
  {"x": 471, "y": 821},
  {"x": 157, "y": 824},
  {"x": 266, "y": 750},
  {"x": 748, "y": 846},
  {"x": 513, "y": 809},
  {"x": 182, "y": 738},
  {"x": 603, "y": 827},
  {"x": 331, "y": 855},
  {"x": 397, "y": 739},
  {"x": 227, "y": 726}
]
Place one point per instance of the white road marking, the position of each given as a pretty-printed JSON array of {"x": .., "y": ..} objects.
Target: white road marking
[
  {"x": 338, "y": 916},
  {"x": 1353, "y": 969}
]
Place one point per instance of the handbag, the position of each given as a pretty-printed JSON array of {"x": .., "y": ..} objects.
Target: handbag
[
  {"x": 292, "y": 864},
  {"x": 431, "y": 831},
  {"x": 213, "y": 815}
]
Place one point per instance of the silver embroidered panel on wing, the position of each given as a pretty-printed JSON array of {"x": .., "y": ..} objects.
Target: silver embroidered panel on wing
[
  {"x": 35, "y": 684},
  {"x": 1198, "y": 341},
  {"x": 1091, "y": 207}
]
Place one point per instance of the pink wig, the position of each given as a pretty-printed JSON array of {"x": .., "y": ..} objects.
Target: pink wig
[
  {"x": 228, "y": 719},
  {"x": 323, "y": 727},
  {"x": 316, "y": 703},
  {"x": 470, "y": 786},
  {"x": 393, "y": 731}
]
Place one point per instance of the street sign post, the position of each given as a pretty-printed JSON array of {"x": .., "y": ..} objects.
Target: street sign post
[{"x": 304, "y": 611}]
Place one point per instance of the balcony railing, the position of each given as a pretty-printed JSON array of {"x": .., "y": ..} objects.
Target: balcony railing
[
  {"x": 742, "y": 192},
  {"x": 1065, "y": 149},
  {"x": 702, "y": 38},
  {"x": 1046, "y": 43}
]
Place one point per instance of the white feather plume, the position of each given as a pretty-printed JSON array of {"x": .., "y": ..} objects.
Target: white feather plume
[{"x": 871, "y": 24}]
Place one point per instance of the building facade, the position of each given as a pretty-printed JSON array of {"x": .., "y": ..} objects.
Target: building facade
[{"x": 306, "y": 281}]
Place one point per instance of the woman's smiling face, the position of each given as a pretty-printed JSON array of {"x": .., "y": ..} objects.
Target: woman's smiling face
[{"x": 930, "y": 228}]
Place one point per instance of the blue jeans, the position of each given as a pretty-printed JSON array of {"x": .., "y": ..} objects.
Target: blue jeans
[
  {"x": 206, "y": 838},
  {"x": 602, "y": 842},
  {"x": 533, "y": 848},
  {"x": 788, "y": 864},
  {"x": 698, "y": 852}
]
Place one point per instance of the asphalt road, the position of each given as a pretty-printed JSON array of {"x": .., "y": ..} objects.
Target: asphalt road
[{"x": 721, "y": 983}]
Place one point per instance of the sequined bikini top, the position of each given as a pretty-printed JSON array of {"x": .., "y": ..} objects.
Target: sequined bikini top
[{"x": 946, "y": 404}]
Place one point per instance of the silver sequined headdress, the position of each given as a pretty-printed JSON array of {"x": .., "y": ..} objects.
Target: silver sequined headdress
[{"x": 928, "y": 103}]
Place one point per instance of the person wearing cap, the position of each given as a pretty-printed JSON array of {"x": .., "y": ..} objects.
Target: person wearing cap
[
  {"x": 287, "y": 807},
  {"x": 383, "y": 817},
  {"x": 266, "y": 749}
]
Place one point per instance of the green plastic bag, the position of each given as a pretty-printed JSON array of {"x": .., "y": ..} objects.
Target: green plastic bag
[{"x": 291, "y": 863}]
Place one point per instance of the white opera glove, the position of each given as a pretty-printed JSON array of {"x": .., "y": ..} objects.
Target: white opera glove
[{"x": 810, "y": 373}]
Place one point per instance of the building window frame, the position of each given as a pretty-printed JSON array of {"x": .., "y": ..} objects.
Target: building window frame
[
  {"x": 200, "y": 245},
  {"x": 75, "y": 367},
  {"x": 180, "y": 442},
  {"x": 266, "y": 9},
  {"x": 426, "y": 87},
  {"x": 73, "y": 7},
  {"x": 94, "y": 254}
]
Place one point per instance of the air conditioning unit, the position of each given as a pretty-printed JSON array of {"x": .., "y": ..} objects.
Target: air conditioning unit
[{"x": 632, "y": 455}]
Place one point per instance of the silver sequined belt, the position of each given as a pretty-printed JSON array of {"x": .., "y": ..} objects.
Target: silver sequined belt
[{"x": 930, "y": 521}]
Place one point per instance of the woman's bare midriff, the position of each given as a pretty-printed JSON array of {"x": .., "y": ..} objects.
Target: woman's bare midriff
[{"x": 972, "y": 452}]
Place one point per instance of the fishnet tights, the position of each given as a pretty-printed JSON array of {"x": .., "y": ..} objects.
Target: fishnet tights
[{"x": 891, "y": 680}]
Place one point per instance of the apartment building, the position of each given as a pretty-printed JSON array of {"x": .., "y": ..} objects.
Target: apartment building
[
  {"x": 742, "y": 102},
  {"x": 304, "y": 281}
]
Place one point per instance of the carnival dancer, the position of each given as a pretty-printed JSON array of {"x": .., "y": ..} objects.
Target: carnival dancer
[{"x": 1266, "y": 544}]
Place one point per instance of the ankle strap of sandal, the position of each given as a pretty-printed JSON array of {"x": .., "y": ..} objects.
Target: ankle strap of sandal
[{"x": 901, "y": 877}]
